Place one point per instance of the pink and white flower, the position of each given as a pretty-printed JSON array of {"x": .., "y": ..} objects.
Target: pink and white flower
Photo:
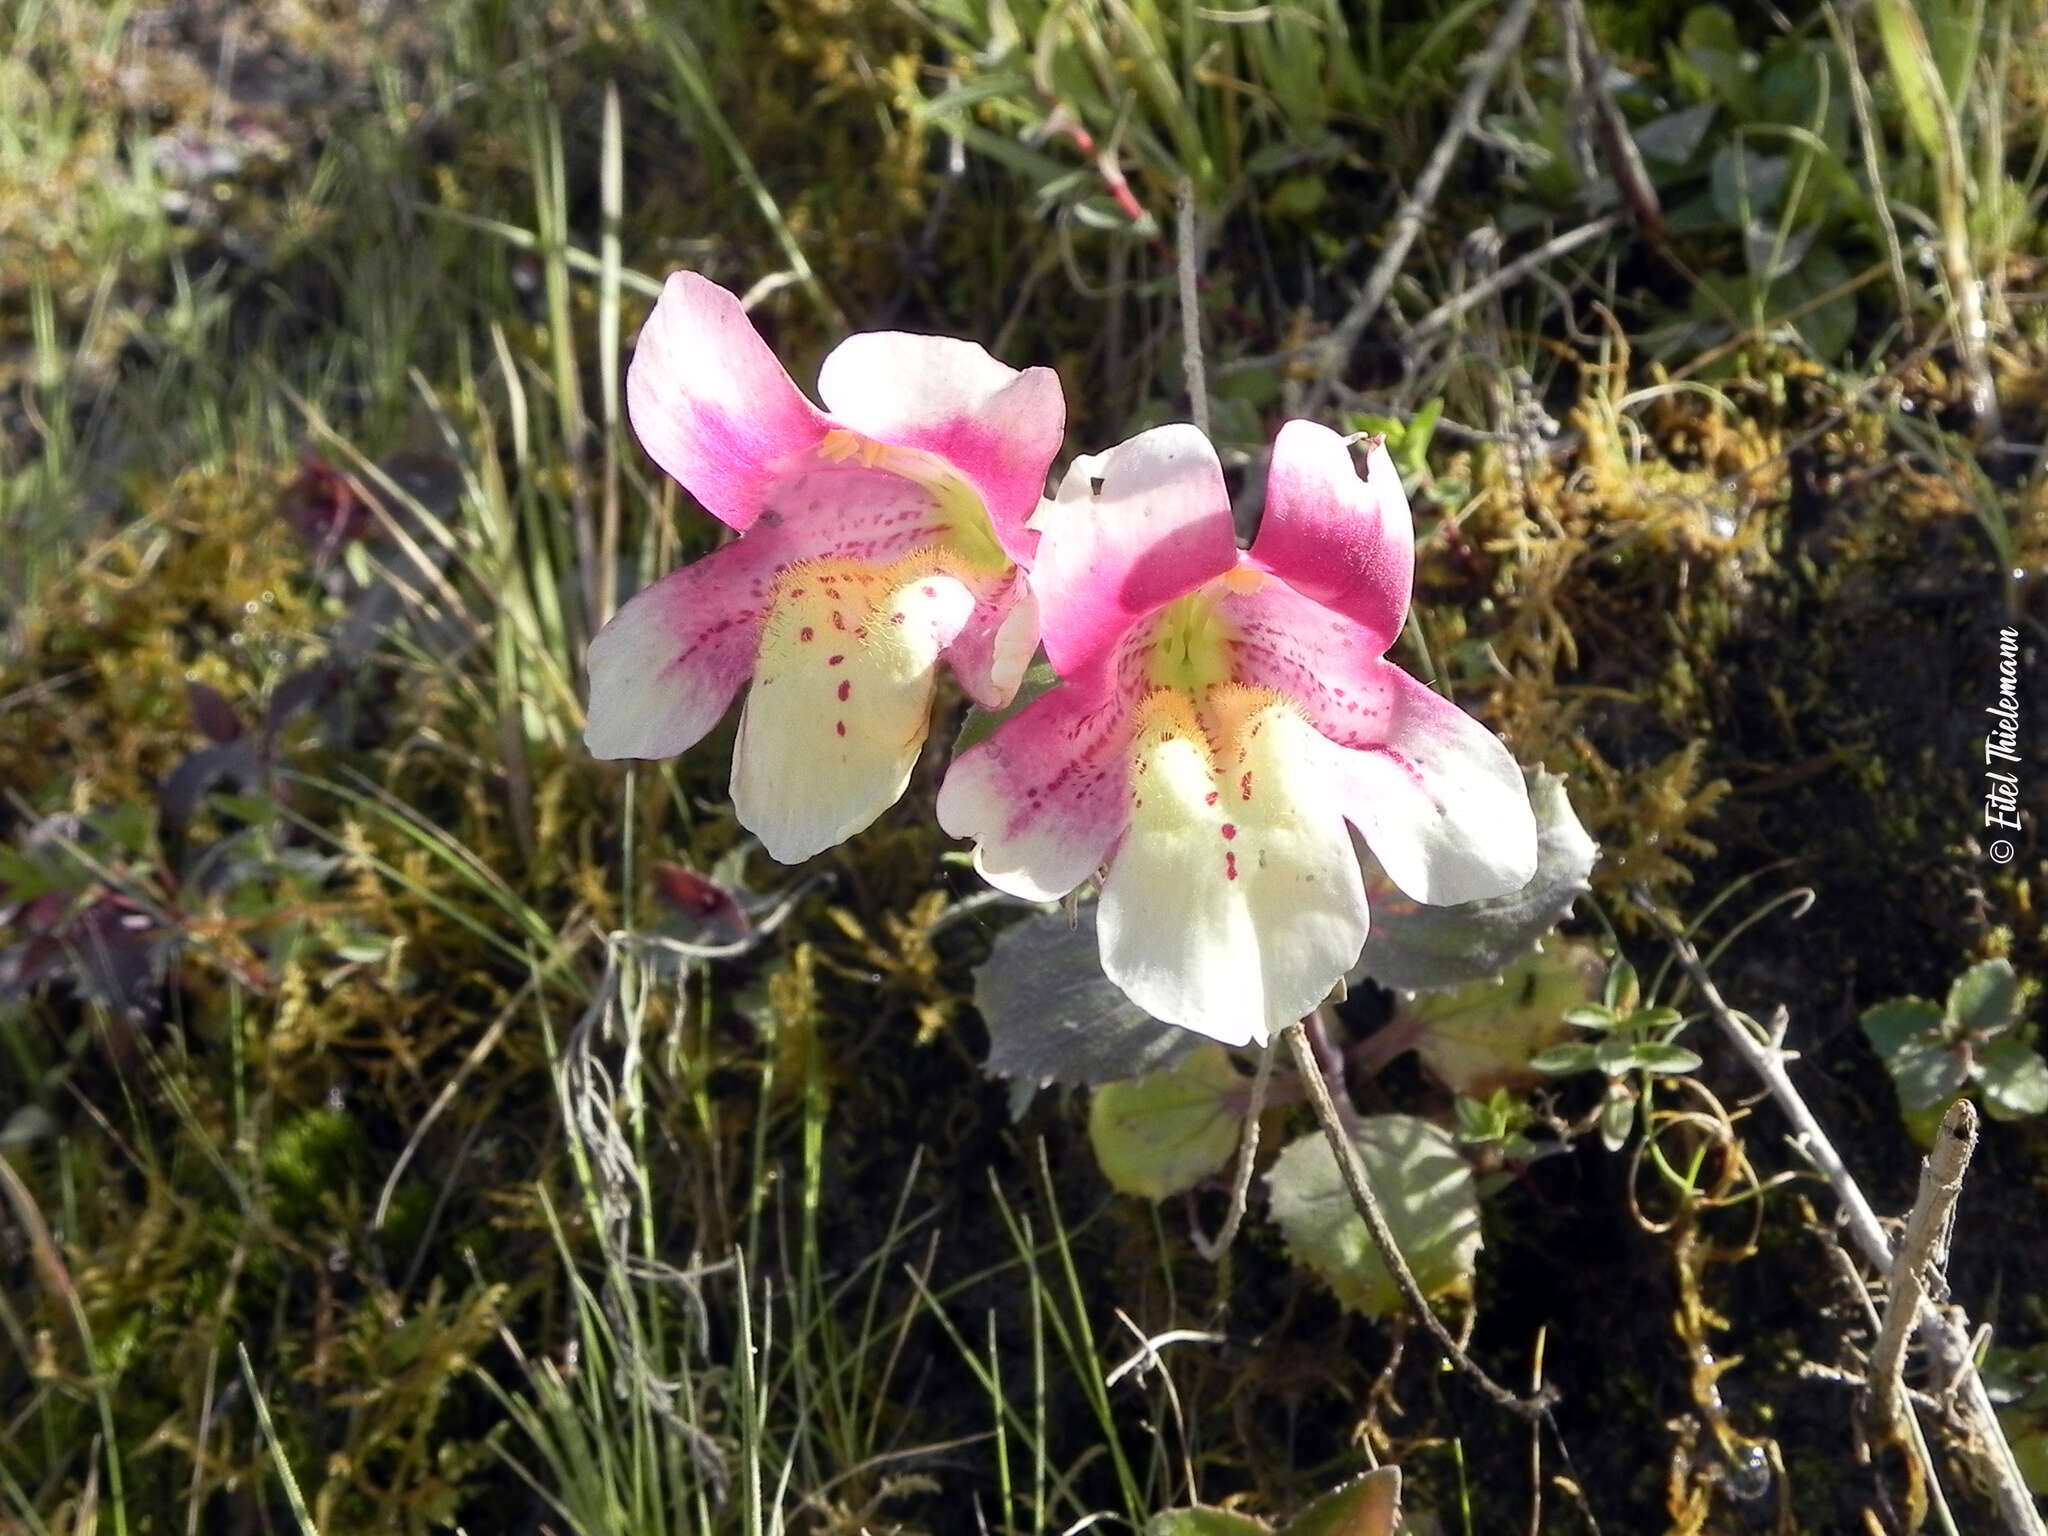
[
  {"x": 1222, "y": 716},
  {"x": 878, "y": 536}
]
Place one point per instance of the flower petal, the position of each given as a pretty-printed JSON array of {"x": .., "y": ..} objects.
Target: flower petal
[
  {"x": 998, "y": 427},
  {"x": 664, "y": 669},
  {"x": 1344, "y": 541},
  {"x": 1047, "y": 795},
  {"x": 841, "y": 701},
  {"x": 710, "y": 403},
  {"x": 1235, "y": 903},
  {"x": 993, "y": 651},
  {"x": 1132, "y": 529},
  {"x": 1437, "y": 797}
]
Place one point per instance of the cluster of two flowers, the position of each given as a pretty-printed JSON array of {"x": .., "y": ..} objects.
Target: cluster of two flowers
[{"x": 1223, "y": 717}]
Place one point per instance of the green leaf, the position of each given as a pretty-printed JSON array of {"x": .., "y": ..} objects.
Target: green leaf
[
  {"x": 1564, "y": 1060},
  {"x": 1425, "y": 1191},
  {"x": 1651, "y": 1020},
  {"x": 1298, "y": 197},
  {"x": 1365, "y": 1506},
  {"x": 1829, "y": 328},
  {"x": 1593, "y": 1016},
  {"x": 1913, "y": 73},
  {"x": 1205, "y": 1522},
  {"x": 1746, "y": 185},
  {"x": 1890, "y": 1026},
  {"x": 1418, "y": 948},
  {"x": 2014, "y": 1079},
  {"x": 1985, "y": 998},
  {"x": 1053, "y": 1017},
  {"x": 1160, "y": 1134},
  {"x": 1477, "y": 1120},
  {"x": 1673, "y": 138},
  {"x": 1483, "y": 1036},
  {"x": 1623, "y": 989},
  {"x": 1927, "y": 1074},
  {"x": 1615, "y": 1055},
  {"x": 1654, "y": 1056},
  {"x": 1617, "y": 1119},
  {"x": 981, "y": 723}
]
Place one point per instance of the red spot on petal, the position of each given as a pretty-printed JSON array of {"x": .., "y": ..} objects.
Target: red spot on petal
[
  {"x": 842, "y": 727},
  {"x": 1230, "y": 866},
  {"x": 845, "y": 689},
  {"x": 931, "y": 592},
  {"x": 831, "y": 661},
  {"x": 805, "y": 634},
  {"x": 1210, "y": 798},
  {"x": 1229, "y": 831},
  {"x": 861, "y": 633},
  {"x": 1244, "y": 787}
]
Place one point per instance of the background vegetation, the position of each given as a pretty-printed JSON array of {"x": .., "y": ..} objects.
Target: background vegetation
[{"x": 364, "y": 1162}]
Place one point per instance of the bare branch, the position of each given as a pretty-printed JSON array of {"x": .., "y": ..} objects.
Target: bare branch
[
  {"x": 1408, "y": 222},
  {"x": 1983, "y": 1442},
  {"x": 1367, "y": 1204}
]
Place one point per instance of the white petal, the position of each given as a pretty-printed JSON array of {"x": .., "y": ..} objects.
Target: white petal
[
  {"x": 1235, "y": 901},
  {"x": 841, "y": 701},
  {"x": 1439, "y": 800}
]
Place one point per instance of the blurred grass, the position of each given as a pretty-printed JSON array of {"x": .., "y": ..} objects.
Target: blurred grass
[{"x": 502, "y": 1216}]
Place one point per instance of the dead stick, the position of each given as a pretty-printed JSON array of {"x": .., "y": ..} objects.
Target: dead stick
[
  {"x": 1367, "y": 1204},
  {"x": 1923, "y": 1249},
  {"x": 1191, "y": 313},
  {"x": 1984, "y": 1446},
  {"x": 1408, "y": 222},
  {"x": 1507, "y": 276},
  {"x": 1247, "y": 1154}
]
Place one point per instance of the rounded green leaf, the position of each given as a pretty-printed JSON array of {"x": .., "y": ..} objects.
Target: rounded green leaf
[
  {"x": 1365, "y": 1506},
  {"x": 1484, "y": 1036},
  {"x": 1160, "y": 1134},
  {"x": 1985, "y": 998},
  {"x": 1889, "y": 1026},
  {"x": 1053, "y": 1016},
  {"x": 2014, "y": 1079},
  {"x": 1927, "y": 1074},
  {"x": 1425, "y": 1191}
]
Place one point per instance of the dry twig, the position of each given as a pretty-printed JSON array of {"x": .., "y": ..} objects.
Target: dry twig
[
  {"x": 1982, "y": 1443},
  {"x": 1408, "y": 222},
  {"x": 1367, "y": 1204}
]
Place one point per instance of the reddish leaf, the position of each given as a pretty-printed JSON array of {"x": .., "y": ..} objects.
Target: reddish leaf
[
  {"x": 712, "y": 912},
  {"x": 212, "y": 713}
]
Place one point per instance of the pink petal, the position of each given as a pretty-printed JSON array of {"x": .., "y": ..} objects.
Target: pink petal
[
  {"x": 1131, "y": 530},
  {"x": 992, "y": 652},
  {"x": 1438, "y": 798},
  {"x": 1436, "y": 795},
  {"x": 1303, "y": 651},
  {"x": 711, "y": 404},
  {"x": 845, "y": 511},
  {"x": 667, "y": 665},
  {"x": 999, "y": 428},
  {"x": 1344, "y": 541},
  {"x": 1048, "y": 795}
]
